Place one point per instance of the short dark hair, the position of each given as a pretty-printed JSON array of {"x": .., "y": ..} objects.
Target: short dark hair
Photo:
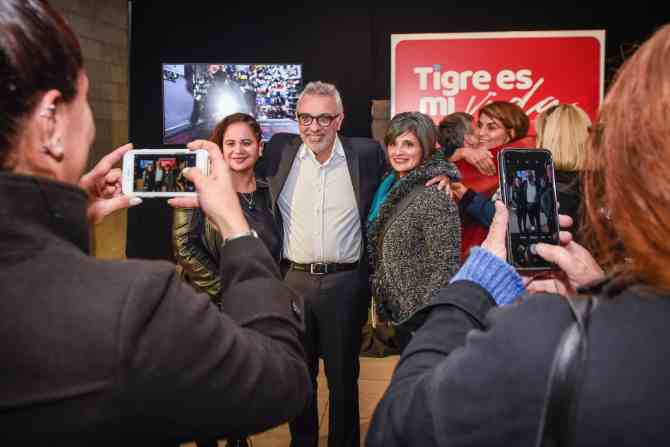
[
  {"x": 38, "y": 52},
  {"x": 421, "y": 125},
  {"x": 453, "y": 128},
  {"x": 220, "y": 129}
]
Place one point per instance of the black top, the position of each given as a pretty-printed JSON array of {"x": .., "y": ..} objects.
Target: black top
[
  {"x": 197, "y": 242},
  {"x": 474, "y": 377},
  {"x": 257, "y": 210},
  {"x": 569, "y": 195},
  {"x": 123, "y": 352}
]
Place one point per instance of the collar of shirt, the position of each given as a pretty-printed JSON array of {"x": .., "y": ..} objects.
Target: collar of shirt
[{"x": 338, "y": 151}]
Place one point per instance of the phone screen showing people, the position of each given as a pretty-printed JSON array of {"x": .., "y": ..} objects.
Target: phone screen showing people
[
  {"x": 530, "y": 195},
  {"x": 162, "y": 173}
]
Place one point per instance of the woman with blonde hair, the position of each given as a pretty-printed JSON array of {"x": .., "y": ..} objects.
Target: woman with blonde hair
[{"x": 564, "y": 130}]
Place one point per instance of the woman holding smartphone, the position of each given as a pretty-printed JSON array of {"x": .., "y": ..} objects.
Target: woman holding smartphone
[
  {"x": 102, "y": 352},
  {"x": 478, "y": 371}
]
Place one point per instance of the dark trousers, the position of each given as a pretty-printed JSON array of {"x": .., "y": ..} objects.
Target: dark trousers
[
  {"x": 534, "y": 215},
  {"x": 334, "y": 313},
  {"x": 521, "y": 217}
]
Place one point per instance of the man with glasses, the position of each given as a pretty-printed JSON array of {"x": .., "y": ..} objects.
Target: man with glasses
[{"x": 322, "y": 185}]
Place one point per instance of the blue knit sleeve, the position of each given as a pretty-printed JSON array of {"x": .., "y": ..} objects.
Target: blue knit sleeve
[{"x": 492, "y": 273}]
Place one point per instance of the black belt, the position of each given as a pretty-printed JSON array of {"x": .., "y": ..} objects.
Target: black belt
[{"x": 320, "y": 268}]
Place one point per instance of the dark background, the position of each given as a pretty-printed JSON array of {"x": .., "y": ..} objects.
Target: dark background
[{"x": 346, "y": 45}]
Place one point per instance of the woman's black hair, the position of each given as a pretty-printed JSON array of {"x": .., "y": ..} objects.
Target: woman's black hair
[{"x": 38, "y": 52}]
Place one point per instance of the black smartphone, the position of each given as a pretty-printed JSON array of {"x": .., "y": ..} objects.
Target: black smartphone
[{"x": 528, "y": 188}]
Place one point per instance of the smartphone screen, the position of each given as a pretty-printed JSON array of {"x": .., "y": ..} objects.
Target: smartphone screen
[
  {"x": 162, "y": 173},
  {"x": 530, "y": 196}
]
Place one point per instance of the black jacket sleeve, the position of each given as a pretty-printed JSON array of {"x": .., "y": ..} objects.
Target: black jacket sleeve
[
  {"x": 471, "y": 378},
  {"x": 197, "y": 372},
  {"x": 478, "y": 206}
]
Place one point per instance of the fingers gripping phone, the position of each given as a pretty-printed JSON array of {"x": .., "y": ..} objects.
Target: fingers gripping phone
[
  {"x": 528, "y": 188},
  {"x": 158, "y": 172}
]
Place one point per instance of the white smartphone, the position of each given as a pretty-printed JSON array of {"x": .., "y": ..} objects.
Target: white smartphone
[{"x": 158, "y": 172}]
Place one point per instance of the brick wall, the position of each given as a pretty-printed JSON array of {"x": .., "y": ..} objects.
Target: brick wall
[{"x": 102, "y": 29}]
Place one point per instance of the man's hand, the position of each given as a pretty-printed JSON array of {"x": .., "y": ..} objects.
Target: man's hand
[
  {"x": 216, "y": 195},
  {"x": 459, "y": 189},
  {"x": 442, "y": 182},
  {"x": 103, "y": 186}
]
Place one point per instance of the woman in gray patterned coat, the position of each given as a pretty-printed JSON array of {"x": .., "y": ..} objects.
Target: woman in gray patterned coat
[{"x": 413, "y": 231}]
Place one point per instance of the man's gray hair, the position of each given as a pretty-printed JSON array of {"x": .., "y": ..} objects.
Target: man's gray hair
[{"x": 318, "y": 88}]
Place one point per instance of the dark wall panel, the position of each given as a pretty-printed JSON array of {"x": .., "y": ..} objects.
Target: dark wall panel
[{"x": 346, "y": 45}]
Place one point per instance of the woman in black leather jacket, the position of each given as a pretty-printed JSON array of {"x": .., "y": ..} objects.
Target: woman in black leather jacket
[{"x": 196, "y": 241}]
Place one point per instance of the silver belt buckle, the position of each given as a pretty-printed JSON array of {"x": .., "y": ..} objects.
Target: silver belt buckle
[{"x": 316, "y": 271}]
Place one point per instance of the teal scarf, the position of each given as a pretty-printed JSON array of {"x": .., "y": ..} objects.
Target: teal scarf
[{"x": 383, "y": 191}]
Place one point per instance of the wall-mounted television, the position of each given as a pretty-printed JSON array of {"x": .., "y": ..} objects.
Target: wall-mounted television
[{"x": 197, "y": 96}]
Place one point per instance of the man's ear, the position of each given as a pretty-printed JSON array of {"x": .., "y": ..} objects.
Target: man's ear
[{"x": 339, "y": 121}]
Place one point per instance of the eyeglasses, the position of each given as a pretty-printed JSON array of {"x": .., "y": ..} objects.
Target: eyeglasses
[{"x": 323, "y": 120}]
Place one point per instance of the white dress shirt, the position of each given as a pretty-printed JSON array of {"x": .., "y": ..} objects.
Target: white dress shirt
[
  {"x": 319, "y": 211},
  {"x": 531, "y": 192}
]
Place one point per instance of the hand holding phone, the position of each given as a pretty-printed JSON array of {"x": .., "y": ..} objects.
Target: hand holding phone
[
  {"x": 528, "y": 188},
  {"x": 216, "y": 195},
  {"x": 158, "y": 172}
]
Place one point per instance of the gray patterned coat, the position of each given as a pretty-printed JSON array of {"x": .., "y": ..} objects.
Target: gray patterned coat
[{"x": 421, "y": 247}]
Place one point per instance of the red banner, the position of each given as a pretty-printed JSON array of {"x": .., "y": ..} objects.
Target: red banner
[{"x": 438, "y": 74}]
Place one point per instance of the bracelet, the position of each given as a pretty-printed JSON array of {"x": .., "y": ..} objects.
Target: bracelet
[{"x": 250, "y": 233}]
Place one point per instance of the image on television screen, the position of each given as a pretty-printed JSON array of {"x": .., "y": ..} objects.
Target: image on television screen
[{"x": 197, "y": 96}]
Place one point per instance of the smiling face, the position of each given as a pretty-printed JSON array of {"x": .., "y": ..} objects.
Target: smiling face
[
  {"x": 491, "y": 132},
  {"x": 240, "y": 147},
  {"x": 405, "y": 153},
  {"x": 318, "y": 138}
]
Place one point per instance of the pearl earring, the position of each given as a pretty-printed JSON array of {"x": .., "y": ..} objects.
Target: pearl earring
[{"x": 49, "y": 112}]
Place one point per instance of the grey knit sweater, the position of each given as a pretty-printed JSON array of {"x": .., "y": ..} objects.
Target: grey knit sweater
[{"x": 421, "y": 247}]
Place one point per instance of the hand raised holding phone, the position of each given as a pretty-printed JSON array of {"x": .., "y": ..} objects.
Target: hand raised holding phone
[
  {"x": 157, "y": 173},
  {"x": 215, "y": 193}
]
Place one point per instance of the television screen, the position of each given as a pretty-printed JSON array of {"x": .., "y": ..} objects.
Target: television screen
[{"x": 197, "y": 96}]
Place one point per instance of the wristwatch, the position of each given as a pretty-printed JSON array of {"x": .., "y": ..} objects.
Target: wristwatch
[{"x": 250, "y": 233}]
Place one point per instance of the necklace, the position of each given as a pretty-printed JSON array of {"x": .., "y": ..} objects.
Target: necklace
[{"x": 249, "y": 198}]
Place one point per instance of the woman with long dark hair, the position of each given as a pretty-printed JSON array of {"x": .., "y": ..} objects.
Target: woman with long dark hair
[{"x": 98, "y": 352}]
